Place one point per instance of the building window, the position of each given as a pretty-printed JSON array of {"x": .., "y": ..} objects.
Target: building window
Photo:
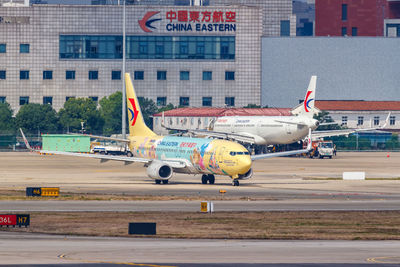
[
  {"x": 376, "y": 120},
  {"x": 2, "y": 74},
  {"x": 48, "y": 100},
  {"x": 95, "y": 99},
  {"x": 23, "y": 100},
  {"x": 360, "y": 120},
  {"x": 70, "y": 75},
  {"x": 69, "y": 97},
  {"x": 344, "y": 31},
  {"x": 207, "y": 75},
  {"x": 148, "y": 47},
  {"x": 93, "y": 75},
  {"x": 285, "y": 27},
  {"x": 184, "y": 101},
  {"x": 229, "y": 75},
  {"x": 392, "y": 120},
  {"x": 116, "y": 75},
  {"x": 47, "y": 75},
  {"x": 24, "y": 48},
  {"x": 161, "y": 75},
  {"x": 354, "y": 31},
  {"x": 344, "y": 120},
  {"x": 2, "y": 99},
  {"x": 344, "y": 12},
  {"x": 3, "y": 48},
  {"x": 139, "y": 75},
  {"x": 24, "y": 74},
  {"x": 184, "y": 75},
  {"x": 207, "y": 101},
  {"x": 230, "y": 101},
  {"x": 161, "y": 101}
]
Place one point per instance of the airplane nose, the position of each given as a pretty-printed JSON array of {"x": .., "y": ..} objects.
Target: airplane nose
[{"x": 244, "y": 164}]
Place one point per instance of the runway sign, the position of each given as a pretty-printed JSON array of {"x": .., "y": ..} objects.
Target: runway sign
[
  {"x": 142, "y": 228},
  {"x": 14, "y": 220},
  {"x": 42, "y": 191},
  {"x": 207, "y": 206}
]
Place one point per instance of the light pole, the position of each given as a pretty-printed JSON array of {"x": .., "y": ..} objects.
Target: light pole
[{"x": 123, "y": 75}]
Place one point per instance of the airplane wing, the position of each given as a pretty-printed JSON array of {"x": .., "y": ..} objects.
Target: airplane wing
[
  {"x": 231, "y": 136},
  {"x": 321, "y": 134},
  {"x": 286, "y": 153},
  {"x": 294, "y": 123},
  {"x": 103, "y": 137},
  {"x": 174, "y": 163}
]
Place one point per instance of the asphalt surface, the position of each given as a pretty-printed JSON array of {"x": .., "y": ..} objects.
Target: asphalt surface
[
  {"x": 194, "y": 206},
  {"x": 45, "y": 249}
]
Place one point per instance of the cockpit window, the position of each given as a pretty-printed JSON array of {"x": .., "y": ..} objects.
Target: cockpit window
[{"x": 232, "y": 153}]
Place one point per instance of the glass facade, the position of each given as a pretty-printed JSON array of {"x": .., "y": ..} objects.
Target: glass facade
[
  {"x": 184, "y": 101},
  {"x": 230, "y": 101},
  {"x": 139, "y": 75},
  {"x": 116, "y": 75},
  {"x": 3, "y": 48},
  {"x": 161, "y": 101},
  {"x": 184, "y": 75},
  {"x": 161, "y": 75},
  {"x": 48, "y": 100},
  {"x": 147, "y": 47},
  {"x": 70, "y": 75},
  {"x": 2, "y": 99},
  {"x": 93, "y": 75},
  {"x": 207, "y": 101},
  {"x": 23, "y": 100},
  {"x": 2, "y": 74},
  {"x": 229, "y": 75},
  {"x": 24, "y": 48},
  {"x": 24, "y": 74},
  {"x": 207, "y": 75},
  {"x": 47, "y": 75}
]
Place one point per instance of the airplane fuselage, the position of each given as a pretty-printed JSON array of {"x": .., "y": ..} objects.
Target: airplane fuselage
[
  {"x": 267, "y": 130},
  {"x": 205, "y": 156}
]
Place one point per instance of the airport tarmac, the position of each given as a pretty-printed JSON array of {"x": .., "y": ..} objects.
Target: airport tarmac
[
  {"x": 274, "y": 179},
  {"x": 47, "y": 249}
]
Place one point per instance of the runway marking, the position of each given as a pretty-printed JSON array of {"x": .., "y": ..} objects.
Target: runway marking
[
  {"x": 64, "y": 257},
  {"x": 391, "y": 260}
]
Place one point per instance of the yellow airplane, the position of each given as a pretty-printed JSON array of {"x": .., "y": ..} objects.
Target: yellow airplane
[{"x": 164, "y": 155}]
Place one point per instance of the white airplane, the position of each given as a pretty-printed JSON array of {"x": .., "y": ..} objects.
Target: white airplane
[
  {"x": 272, "y": 130},
  {"x": 164, "y": 155},
  {"x": 265, "y": 130}
]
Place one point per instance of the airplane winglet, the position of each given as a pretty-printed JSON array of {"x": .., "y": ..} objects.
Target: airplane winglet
[
  {"x": 26, "y": 140},
  {"x": 309, "y": 140},
  {"x": 386, "y": 121}
]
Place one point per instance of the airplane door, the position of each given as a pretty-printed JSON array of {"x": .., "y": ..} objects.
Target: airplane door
[
  {"x": 288, "y": 129},
  {"x": 220, "y": 157}
]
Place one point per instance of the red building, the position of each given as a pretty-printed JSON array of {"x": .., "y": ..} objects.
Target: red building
[{"x": 357, "y": 18}]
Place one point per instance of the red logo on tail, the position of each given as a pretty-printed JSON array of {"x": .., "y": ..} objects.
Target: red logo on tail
[{"x": 134, "y": 112}]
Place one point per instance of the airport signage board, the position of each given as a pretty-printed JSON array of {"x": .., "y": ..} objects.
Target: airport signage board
[
  {"x": 190, "y": 21},
  {"x": 14, "y": 220},
  {"x": 42, "y": 191}
]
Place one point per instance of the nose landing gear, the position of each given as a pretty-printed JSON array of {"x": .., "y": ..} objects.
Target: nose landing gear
[{"x": 235, "y": 182}]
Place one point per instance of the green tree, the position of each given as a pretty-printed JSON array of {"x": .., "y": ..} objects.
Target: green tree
[
  {"x": 252, "y": 106},
  {"x": 111, "y": 111},
  {"x": 76, "y": 110},
  {"x": 148, "y": 108},
  {"x": 166, "y": 108},
  {"x": 34, "y": 118},
  {"x": 323, "y": 117},
  {"x": 7, "y": 125}
]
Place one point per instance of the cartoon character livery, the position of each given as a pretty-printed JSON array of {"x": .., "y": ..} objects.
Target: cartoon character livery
[{"x": 164, "y": 155}]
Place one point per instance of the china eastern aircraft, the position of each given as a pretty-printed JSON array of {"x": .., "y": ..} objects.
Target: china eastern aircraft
[
  {"x": 273, "y": 130},
  {"x": 265, "y": 130},
  {"x": 164, "y": 155}
]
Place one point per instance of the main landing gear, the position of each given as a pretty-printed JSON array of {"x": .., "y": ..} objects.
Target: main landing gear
[
  {"x": 163, "y": 181},
  {"x": 208, "y": 178},
  {"x": 235, "y": 182}
]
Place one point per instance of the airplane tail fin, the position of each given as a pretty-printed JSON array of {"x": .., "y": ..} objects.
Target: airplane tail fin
[
  {"x": 309, "y": 100},
  {"x": 137, "y": 127},
  {"x": 25, "y": 140}
]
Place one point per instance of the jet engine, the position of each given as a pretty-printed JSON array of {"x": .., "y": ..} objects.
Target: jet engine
[
  {"x": 247, "y": 175},
  {"x": 159, "y": 170}
]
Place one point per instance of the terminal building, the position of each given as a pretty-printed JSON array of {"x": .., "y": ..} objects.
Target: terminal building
[{"x": 189, "y": 55}]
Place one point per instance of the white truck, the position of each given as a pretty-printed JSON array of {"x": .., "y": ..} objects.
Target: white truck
[
  {"x": 111, "y": 148},
  {"x": 325, "y": 149}
]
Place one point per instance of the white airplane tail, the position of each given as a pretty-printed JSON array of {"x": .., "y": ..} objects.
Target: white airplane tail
[{"x": 309, "y": 100}]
